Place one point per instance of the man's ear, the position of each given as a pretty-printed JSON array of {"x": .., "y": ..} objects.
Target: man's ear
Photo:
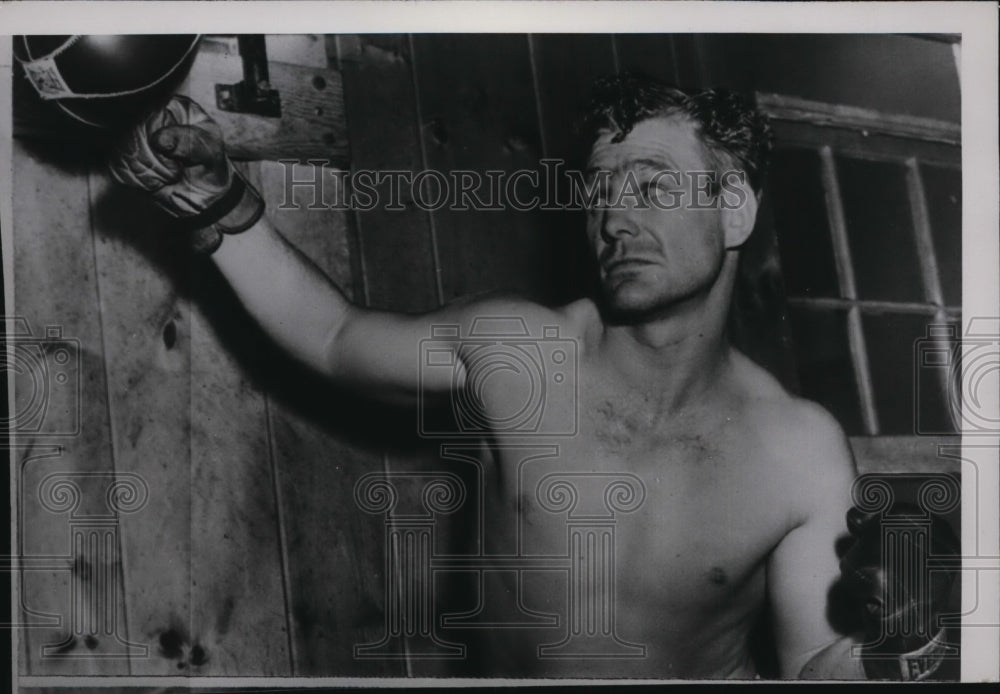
[{"x": 739, "y": 212}]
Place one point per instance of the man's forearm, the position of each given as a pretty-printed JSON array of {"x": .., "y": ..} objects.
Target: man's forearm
[{"x": 289, "y": 296}]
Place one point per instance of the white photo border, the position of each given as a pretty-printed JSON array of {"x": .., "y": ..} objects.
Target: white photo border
[{"x": 975, "y": 22}]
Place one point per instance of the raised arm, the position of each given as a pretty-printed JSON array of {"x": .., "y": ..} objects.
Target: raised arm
[
  {"x": 287, "y": 294},
  {"x": 177, "y": 156},
  {"x": 307, "y": 315}
]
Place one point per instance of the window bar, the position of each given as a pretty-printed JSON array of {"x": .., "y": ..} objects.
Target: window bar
[
  {"x": 848, "y": 290},
  {"x": 874, "y": 306},
  {"x": 929, "y": 270},
  {"x": 922, "y": 232}
]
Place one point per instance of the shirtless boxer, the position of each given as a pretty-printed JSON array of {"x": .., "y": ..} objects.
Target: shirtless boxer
[{"x": 746, "y": 485}]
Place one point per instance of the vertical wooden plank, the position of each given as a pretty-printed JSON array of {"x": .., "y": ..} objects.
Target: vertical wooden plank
[
  {"x": 238, "y": 561},
  {"x": 144, "y": 280},
  {"x": 203, "y": 560},
  {"x": 55, "y": 285},
  {"x": 478, "y": 112},
  {"x": 721, "y": 60},
  {"x": 237, "y": 590},
  {"x": 565, "y": 67},
  {"x": 322, "y": 441},
  {"x": 657, "y": 55},
  {"x": 397, "y": 249},
  {"x": 397, "y": 253}
]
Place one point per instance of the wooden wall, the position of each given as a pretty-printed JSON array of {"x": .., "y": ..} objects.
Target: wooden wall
[{"x": 250, "y": 556}]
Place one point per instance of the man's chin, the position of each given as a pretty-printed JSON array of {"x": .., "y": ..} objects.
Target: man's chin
[
  {"x": 629, "y": 306},
  {"x": 624, "y": 309}
]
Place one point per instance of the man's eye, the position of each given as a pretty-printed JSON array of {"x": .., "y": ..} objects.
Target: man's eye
[{"x": 653, "y": 190}]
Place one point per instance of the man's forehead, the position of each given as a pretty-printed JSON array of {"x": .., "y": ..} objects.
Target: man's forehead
[{"x": 667, "y": 140}]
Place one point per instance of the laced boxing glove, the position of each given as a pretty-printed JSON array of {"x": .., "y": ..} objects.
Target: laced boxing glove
[
  {"x": 886, "y": 573},
  {"x": 178, "y": 156}
]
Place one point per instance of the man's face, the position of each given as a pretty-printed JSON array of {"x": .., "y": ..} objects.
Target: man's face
[{"x": 653, "y": 245}]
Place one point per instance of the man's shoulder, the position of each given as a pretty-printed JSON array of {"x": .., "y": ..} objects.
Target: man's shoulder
[
  {"x": 800, "y": 436},
  {"x": 577, "y": 320},
  {"x": 804, "y": 453}
]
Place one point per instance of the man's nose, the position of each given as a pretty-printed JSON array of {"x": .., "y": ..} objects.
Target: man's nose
[{"x": 616, "y": 225}]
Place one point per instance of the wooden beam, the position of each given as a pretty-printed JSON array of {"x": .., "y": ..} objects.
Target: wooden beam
[
  {"x": 861, "y": 145},
  {"x": 895, "y": 454},
  {"x": 312, "y": 124},
  {"x": 865, "y": 120}
]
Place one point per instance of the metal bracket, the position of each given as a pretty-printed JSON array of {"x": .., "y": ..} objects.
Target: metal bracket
[{"x": 254, "y": 93}]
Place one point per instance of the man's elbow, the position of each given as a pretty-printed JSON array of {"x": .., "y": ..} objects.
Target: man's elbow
[
  {"x": 836, "y": 661},
  {"x": 330, "y": 357}
]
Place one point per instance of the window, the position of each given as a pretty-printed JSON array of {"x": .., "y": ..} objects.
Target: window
[{"x": 867, "y": 214}]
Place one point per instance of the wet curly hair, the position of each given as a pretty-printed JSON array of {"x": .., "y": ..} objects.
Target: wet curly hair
[{"x": 734, "y": 133}]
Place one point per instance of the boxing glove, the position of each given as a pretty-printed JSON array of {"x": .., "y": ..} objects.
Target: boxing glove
[
  {"x": 178, "y": 156},
  {"x": 885, "y": 572}
]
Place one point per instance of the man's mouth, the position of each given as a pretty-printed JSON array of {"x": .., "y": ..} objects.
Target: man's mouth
[{"x": 626, "y": 263}]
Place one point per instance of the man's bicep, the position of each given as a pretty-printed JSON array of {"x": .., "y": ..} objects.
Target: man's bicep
[
  {"x": 394, "y": 356},
  {"x": 805, "y": 565},
  {"x": 401, "y": 356}
]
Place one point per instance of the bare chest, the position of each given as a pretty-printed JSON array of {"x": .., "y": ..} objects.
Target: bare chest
[{"x": 684, "y": 502}]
